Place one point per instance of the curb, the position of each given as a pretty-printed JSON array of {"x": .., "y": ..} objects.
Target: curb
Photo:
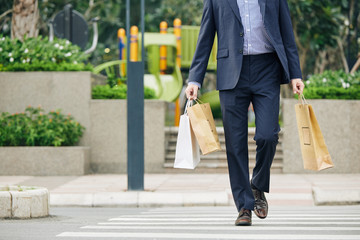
[
  {"x": 23, "y": 202},
  {"x": 325, "y": 196},
  {"x": 140, "y": 199}
]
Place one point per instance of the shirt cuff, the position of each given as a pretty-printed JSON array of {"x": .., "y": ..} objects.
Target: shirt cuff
[{"x": 195, "y": 83}]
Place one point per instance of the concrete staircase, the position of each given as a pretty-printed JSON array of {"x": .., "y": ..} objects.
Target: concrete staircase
[{"x": 216, "y": 162}]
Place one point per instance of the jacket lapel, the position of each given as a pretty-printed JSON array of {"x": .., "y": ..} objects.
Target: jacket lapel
[
  {"x": 235, "y": 8},
  {"x": 262, "y": 4}
]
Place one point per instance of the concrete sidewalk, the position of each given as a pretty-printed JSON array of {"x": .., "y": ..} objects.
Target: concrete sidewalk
[{"x": 190, "y": 190}]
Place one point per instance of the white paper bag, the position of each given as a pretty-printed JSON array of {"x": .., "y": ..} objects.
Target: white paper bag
[{"x": 187, "y": 153}]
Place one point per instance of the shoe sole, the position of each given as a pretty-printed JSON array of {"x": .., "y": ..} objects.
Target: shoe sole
[
  {"x": 260, "y": 216},
  {"x": 243, "y": 224}
]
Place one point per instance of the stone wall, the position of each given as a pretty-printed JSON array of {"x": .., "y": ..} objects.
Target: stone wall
[
  {"x": 109, "y": 136},
  {"x": 105, "y": 121},
  {"x": 69, "y": 91},
  {"x": 339, "y": 123},
  {"x": 44, "y": 161}
]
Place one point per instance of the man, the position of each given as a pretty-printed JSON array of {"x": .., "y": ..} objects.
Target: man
[{"x": 256, "y": 53}]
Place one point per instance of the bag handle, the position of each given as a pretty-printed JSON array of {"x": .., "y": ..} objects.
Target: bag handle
[
  {"x": 199, "y": 101},
  {"x": 302, "y": 99},
  {"x": 189, "y": 103}
]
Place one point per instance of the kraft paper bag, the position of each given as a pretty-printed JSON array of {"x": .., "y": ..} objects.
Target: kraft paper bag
[
  {"x": 203, "y": 125},
  {"x": 187, "y": 153},
  {"x": 313, "y": 148}
]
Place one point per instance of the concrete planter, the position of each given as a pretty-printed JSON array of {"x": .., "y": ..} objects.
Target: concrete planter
[
  {"x": 339, "y": 123},
  {"x": 69, "y": 91},
  {"x": 23, "y": 202},
  {"x": 105, "y": 122},
  {"x": 109, "y": 136},
  {"x": 44, "y": 161}
]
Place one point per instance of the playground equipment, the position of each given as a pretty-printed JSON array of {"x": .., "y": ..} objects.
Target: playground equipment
[
  {"x": 165, "y": 54},
  {"x": 163, "y": 48},
  {"x": 189, "y": 36},
  {"x": 167, "y": 85},
  {"x": 162, "y": 76}
]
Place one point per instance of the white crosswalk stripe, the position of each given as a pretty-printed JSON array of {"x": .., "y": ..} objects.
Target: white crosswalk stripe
[{"x": 218, "y": 223}]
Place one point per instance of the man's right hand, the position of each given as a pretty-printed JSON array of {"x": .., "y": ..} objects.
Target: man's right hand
[{"x": 191, "y": 91}]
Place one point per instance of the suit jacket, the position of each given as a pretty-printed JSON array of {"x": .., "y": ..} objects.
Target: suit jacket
[{"x": 223, "y": 17}]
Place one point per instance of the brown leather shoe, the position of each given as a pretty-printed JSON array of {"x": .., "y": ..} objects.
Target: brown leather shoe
[
  {"x": 261, "y": 205},
  {"x": 244, "y": 218}
]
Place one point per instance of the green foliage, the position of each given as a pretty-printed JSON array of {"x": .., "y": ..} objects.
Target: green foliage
[
  {"x": 316, "y": 22},
  {"x": 34, "y": 128},
  {"x": 117, "y": 92},
  {"x": 112, "y": 17},
  {"x": 189, "y": 13},
  {"x": 333, "y": 85},
  {"x": 39, "y": 54}
]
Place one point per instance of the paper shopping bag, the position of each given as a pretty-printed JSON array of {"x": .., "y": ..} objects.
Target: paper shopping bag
[
  {"x": 203, "y": 125},
  {"x": 314, "y": 151},
  {"x": 187, "y": 153}
]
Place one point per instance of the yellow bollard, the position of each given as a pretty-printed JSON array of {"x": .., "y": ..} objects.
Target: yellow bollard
[
  {"x": 163, "y": 50},
  {"x": 122, "y": 49},
  {"x": 177, "y": 32},
  {"x": 134, "y": 31}
]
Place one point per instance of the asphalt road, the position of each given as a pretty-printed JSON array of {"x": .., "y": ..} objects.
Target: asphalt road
[{"x": 328, "y": 222}]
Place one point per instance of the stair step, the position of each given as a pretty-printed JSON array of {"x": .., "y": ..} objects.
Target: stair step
[
  {"x": 221, "y": 156},
  {"x": 205, "y": 164},
  {"x": 252, "y": 148},
  {"x": 219, "y": 130},
  {"x": 173, "y": 139},
  {"x": 217, "y": 162},
  {"x": 212, "y": 168}
]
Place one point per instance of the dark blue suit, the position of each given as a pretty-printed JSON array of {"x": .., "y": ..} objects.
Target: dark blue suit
[{"x": 244, "y": 79}]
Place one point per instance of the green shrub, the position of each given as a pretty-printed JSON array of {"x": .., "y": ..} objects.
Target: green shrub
[
  {"x": 34, "y": 128},
  {"x": 39, "y": 54},
  {"x": 117, "y": 92},
  {"x": 333, "y": 85}
]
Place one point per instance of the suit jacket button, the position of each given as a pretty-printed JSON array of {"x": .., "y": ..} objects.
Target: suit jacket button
[
  {"x": 241, "y": 51},
  {"x": 241, "y": 34}
]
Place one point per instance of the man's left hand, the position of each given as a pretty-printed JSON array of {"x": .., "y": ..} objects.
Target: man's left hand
[{"x": 297, "y": 85}]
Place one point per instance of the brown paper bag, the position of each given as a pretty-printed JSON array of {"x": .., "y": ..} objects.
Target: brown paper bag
[
  {"x": 203, "y": 125},
  {"x": 314, "y": 151}
]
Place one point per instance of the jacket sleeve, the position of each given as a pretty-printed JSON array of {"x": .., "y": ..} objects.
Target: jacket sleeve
[
  {"x": 204, "y": 44},
  {"x": 288, "y": 38}
]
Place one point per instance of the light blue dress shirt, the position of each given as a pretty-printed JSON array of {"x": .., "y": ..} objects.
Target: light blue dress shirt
[{"x": 256, "y": 40}]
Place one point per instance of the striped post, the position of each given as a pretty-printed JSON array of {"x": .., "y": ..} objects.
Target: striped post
[
  {"x": 122, "y": 51},
  {"x": 134, "y": 31},
  {"x": 163, "y": 50},
  {"x": 177, "y": 32}
]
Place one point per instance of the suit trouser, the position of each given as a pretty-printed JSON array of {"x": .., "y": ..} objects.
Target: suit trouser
[{"x": 259, "y": 84}]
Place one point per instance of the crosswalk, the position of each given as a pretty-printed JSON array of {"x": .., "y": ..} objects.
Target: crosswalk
[{"x": 340, "y": 222}]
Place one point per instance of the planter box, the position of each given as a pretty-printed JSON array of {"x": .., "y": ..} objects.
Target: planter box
[
  {"x": 69, "y": 91},
  {"x": 339, "y": 123},
  {"x": 109, "y": 136},
  {"x": 105, "y": 122},
  {"x": 44, "y": 161}
]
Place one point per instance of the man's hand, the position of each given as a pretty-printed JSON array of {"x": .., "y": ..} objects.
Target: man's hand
[
  {"x": 191, "y": 92},
  {"x": 297, "y": 85}
]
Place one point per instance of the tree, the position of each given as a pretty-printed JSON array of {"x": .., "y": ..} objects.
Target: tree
[
  {"x": 189, "y": 13},
  {"x": 112, "y": 17},
  {"x": 316, "y": 25},
  {"x": 5, "y": 17},
  {"x": 25, "y": 17}
]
